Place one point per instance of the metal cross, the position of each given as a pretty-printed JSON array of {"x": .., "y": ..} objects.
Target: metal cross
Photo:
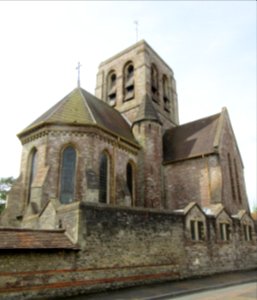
[
  {"x": 136, "y": 23},
  {"x": 78, "y": 68}
]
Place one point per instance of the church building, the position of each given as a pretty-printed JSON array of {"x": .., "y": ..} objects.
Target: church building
[{"x": 116, "y": 182}]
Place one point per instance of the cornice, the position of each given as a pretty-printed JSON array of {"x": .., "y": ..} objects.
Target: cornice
[{"x": 77, "y": 130}]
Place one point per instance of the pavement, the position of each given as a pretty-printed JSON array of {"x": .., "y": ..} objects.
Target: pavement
[{"x": 173, "y": 289}]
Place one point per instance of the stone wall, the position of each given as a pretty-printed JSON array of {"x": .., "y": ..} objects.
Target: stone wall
[{"x": 125, "y": 247}]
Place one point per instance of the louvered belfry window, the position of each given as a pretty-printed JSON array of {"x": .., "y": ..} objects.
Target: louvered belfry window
[
  {"x": 129, "y": 85},
  {"x": 154, "y": 83},
  {"x": 111, "y": 88},
  {"x": 103, "y": 178},
  {"x": 68, "y": 175}
]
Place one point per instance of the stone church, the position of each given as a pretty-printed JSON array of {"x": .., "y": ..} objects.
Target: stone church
[{"x": 118, "y": 184}]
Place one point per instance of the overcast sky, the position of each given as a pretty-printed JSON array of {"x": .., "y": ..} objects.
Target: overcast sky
[{"x": 210, "y": 45}]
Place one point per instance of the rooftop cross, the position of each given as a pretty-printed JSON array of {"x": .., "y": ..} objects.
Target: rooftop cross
[{"x": 78, "y": 68}]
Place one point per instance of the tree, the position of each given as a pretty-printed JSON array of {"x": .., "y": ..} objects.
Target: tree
[{"x": 5, "y": 185}]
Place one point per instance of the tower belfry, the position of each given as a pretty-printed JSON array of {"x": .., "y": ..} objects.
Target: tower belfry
[{"x": 124, "y": 80}]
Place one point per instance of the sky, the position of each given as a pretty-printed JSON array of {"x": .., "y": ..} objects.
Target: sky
[{"x": 210, "y": 45}]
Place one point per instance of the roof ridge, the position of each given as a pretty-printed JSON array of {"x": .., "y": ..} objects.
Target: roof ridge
[
  {"x": 217, "y": 136},
  {"x": 194, "y": 121},
  {"x": 86, "y": 104},
  {"x": 61, "y": 102}
]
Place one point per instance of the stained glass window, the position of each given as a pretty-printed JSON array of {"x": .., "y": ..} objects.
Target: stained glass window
[{"x": 68, "y": 175}]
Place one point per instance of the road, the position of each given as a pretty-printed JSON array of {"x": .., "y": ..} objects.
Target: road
[{"x": 246, "y": 291}]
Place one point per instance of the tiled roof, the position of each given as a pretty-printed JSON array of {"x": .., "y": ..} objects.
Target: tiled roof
[
  {"x": 191, "y": 139},
  {"x": 82, "y": 108},
  {"x": 147, "y": 111},
  {"x": 15, "y": 238}
]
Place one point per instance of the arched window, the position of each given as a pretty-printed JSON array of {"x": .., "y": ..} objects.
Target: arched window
[
  {"x": 128, "y": 79},
  {"x": 68, "y": 168},
  {"x": 166, "y": 96},
  {"x": 104, "y": 178},
  {"x": 130, "y": 181},
  {"x": 111, "y": 88},
  {"x": 154, "y": 83},
  {"x": 33, "y": 171}
]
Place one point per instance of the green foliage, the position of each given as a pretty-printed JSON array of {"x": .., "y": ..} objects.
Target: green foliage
[
  {"x": 5, "y": 185},
  {"x": 2, "y": 207}
]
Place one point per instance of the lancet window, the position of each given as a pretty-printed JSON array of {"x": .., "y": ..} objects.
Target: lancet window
[
  {"x": 104, "y": 178},
  {"x": 131, "y": 180},
  {"x": 33, "y": 170},
  {"x": 68, "y": 168}
]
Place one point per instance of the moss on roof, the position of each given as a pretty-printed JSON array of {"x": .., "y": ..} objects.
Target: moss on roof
[{"x": 82, "y": 108}]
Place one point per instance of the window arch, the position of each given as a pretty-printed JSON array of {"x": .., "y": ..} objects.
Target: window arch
[
  {"x": 33, "y": 170},
  {"x": 166, "y": 96},
  {"x": 112, "y": 88},
  {"x": 68, "y": 168},
  {"x": 128, "y": 80},
  {"x": 104, "y": 178},
  {"x": 130, "y": 175},
  {"x": 154, "y": 83}
]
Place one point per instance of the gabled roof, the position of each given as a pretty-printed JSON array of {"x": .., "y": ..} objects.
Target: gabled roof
[
  {"x": 192, "y": 139},
  {"x": 26, "y": 239},
  {"x": 147, "y": 111},
  {"x": 82, "y": 108},
  {"x": 184, "y": 211}
]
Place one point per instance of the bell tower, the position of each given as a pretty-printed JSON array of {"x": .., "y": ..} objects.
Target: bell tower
[{"x": 124, "y": 80}]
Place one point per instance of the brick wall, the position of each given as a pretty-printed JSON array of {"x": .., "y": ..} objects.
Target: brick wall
[
  {"x": 232, "y": 172},
  {"x": 194, "y": 180},
  {"x": 149, "y": 136}
]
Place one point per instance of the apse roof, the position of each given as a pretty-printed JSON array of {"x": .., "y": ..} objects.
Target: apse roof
[
  {"x": 18, "y": 239},
  {"x": 190, "y": 140},
  {"x": 82, "y": 108}
]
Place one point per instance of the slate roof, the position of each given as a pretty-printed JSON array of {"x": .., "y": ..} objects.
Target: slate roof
[
  {"x": 82, "y": 108},
  {"x": 147, "y": 111},
  {"x": 190, "y": 140},
  {"x": 26, "y": 239}
]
